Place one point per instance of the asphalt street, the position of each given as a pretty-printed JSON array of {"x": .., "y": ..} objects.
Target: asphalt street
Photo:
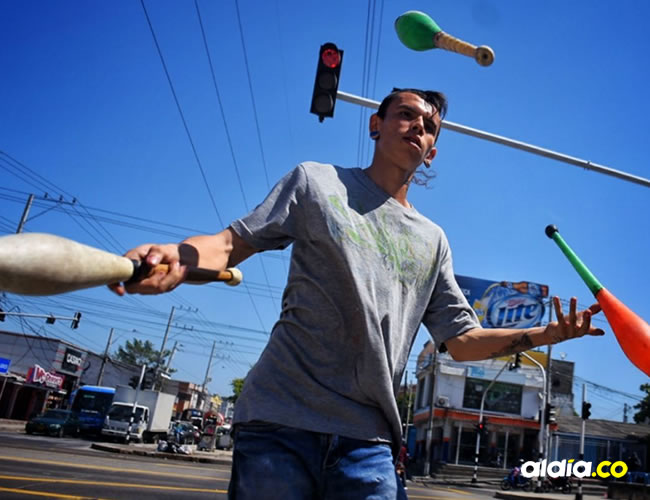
[{"x": 45, "y": 467}]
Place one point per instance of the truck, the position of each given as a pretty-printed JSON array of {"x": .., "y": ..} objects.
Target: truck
[{"x": 153, "y": 414}]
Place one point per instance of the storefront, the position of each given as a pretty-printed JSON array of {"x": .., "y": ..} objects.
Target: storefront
[{"x": 21, "y": 397}]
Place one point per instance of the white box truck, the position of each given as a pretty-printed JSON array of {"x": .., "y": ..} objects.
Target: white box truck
[{"x": 153, "y": 415}]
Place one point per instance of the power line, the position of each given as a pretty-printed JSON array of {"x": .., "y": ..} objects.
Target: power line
[
  {"x": 182, "y": 115},
  {"x": 232, "y": 152}
]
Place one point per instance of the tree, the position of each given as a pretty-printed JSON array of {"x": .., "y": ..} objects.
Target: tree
[
  {"x": 136, "y": 352},
  {"x": 643, "y": 415},
  {"x": 237, "y": 385}
]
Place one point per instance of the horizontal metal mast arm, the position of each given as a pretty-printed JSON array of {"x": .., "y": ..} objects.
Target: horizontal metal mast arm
[{"x": 547, "y": 153}]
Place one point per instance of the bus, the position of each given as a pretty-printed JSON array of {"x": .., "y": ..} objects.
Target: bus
[{"x": 91, "y": 403}]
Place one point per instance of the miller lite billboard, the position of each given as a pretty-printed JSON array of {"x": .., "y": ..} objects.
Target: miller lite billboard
[{"x": 505, "y": 304}]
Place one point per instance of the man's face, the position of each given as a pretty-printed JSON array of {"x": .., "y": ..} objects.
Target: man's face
[{"x": 408, "y": 132}]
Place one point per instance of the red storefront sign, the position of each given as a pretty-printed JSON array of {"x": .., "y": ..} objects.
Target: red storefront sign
[{"x": 37, "y": 375}]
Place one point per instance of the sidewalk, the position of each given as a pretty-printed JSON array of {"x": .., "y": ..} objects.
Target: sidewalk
[
  {"x": 493, "y": 486},
  {"x": 220, "y": 457},
  {"x": 7, "y": 425},
  {"x": 518, "y": 495}
]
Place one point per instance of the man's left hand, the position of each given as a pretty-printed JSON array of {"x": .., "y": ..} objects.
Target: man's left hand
[{"x": 577, "y": 324}]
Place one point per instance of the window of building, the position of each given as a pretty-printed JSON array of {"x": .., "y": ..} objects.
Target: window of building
[{"x": 503, "y": 397}]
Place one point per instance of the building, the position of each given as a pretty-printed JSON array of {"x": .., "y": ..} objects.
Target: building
[
  {"x": 38, "y": 372},
  {"x": 42, "y": 372},
  {"x": 604, "y": 440},
  {"x": 511, "y": 408}
]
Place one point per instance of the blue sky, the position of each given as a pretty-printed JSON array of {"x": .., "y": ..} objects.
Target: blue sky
[{"x": 87, "y": 111}]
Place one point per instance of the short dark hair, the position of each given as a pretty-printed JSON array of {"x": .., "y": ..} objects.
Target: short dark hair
[{"x": 437, "y": 99}]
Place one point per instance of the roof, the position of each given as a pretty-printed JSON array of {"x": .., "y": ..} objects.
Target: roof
[{"x": 603, "y": 428}]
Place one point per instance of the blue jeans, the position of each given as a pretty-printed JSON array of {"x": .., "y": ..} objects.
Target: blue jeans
[{"x": 271, "y": 461}]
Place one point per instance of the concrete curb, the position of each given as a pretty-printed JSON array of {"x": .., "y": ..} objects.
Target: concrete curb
[{"x": 124, "y": 450}]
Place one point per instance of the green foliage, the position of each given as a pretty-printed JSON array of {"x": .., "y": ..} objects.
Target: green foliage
[
  {"x": 237, "y": 385},
  {"x": 136, "y": 352},
  {"x": 643, "y": 414},
  {"x": 403, "y": 399}
]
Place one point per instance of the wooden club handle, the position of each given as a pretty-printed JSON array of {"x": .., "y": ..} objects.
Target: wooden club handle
[
  {"x": 231, "y": 276},
  {"x": 484, "y": 55}
]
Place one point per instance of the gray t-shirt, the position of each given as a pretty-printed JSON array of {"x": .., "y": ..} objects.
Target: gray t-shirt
[{"x": 365, "y": 273}]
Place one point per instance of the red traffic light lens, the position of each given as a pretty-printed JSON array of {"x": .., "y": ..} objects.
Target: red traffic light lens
[{"x": 331, "y": 58}]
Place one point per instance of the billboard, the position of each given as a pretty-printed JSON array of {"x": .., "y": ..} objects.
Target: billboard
[{"x": 505, "y": 304}]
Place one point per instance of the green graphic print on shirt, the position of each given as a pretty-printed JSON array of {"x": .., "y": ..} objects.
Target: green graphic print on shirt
[{"x": 402, "y": 252}]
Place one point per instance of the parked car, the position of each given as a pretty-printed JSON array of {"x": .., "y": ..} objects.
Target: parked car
[{"x": 54, "y": 423}]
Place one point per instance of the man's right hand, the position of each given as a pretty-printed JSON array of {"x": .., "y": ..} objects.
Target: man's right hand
[{"x": 160, "y": 281}]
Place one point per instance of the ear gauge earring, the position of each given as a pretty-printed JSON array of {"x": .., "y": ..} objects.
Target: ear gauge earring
[{"x": 374, "y": 135}]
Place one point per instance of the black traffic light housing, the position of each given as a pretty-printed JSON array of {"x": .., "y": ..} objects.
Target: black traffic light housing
[
  {"x": 586, "y": 410},
  {"x": 326, "y": 84},
  {"x": 481, "y": 427},
  {"x": 75, "y": 321},
  {"x": 2, "y": 315},
  {"x": 517, "y": 363},
  {"x": 550, "y": 414}
]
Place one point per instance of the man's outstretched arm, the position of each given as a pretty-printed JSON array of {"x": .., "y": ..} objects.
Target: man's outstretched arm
[
  {"x": 215, "y": 251},
  {"x": 485, "y": 343}
]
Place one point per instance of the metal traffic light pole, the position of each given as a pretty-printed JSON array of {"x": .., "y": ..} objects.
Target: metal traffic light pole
[
  {"x": 127, "y": 438},
  {"x": 505, "y": 141},
  {"x": 581, "y": 455},
  {"x": 542, "y": 417},
  {"x": 480, "y": 419}
]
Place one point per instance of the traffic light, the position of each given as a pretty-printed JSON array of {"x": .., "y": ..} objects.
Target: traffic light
[
  {"x": 586, "y": 410},
  {"x": 481, "y": 427},
  {"x": 133, "y": 381},
  {"x": 550, "y": 414},
  {"x": 75, "y": 321},
  {"x": 50, "y": 320},
  {"x": 327, "y": 81},
  {"x": 517, "y": 363},
  {"x": 2, "y": 315}
]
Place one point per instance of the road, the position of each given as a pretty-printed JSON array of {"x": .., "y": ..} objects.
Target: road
[{"x": 43, "y": 467}]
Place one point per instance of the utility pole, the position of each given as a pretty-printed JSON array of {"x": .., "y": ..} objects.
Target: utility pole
[
  {"x": 625, "y": 408},
  {"x": 23, "y": 219},
  {"x": 171, "y": 356},
  {"x": 162, "y": 347},
  {"x": 105, "y": 359},
  {"x": 409, "y": 393},
  {"x": 427, "y": 460},
  {"x": 207, "y": 375}
]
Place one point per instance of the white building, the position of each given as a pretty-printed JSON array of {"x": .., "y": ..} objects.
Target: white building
[{"x": 511, "y": 407}]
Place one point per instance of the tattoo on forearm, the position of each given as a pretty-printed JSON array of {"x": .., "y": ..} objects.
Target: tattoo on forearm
[{"x": 523, "y": 343}]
